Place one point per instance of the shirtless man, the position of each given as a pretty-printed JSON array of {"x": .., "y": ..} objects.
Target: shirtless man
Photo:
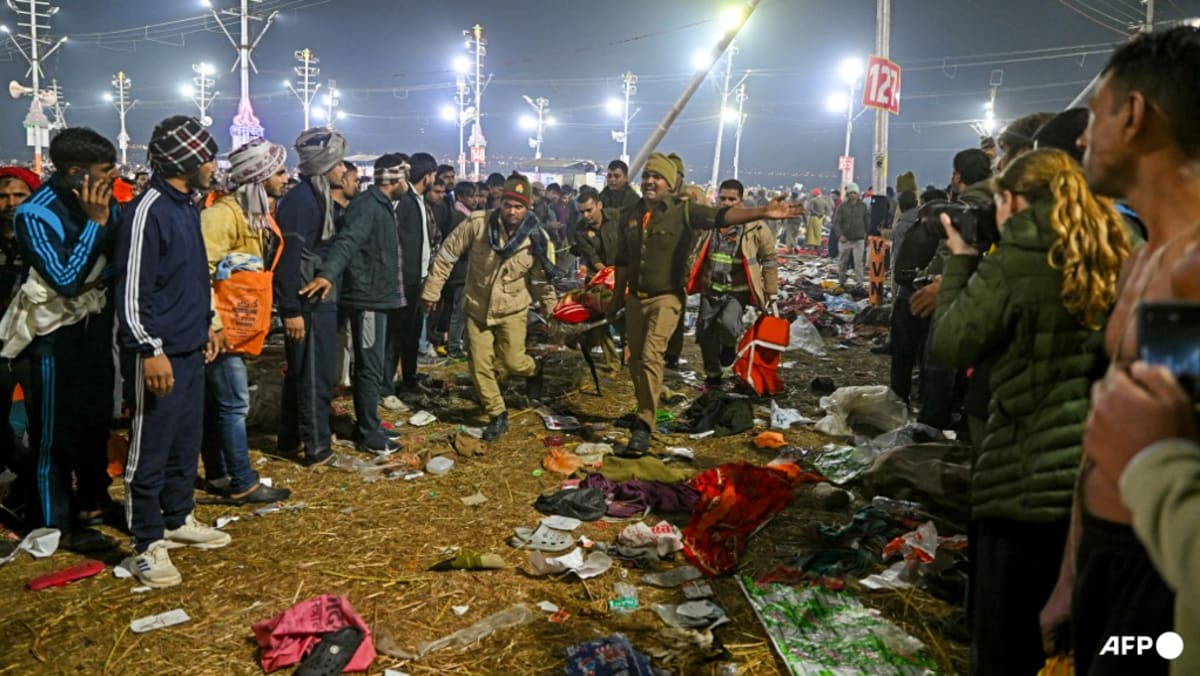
[{"x": 1141, "y": 144}]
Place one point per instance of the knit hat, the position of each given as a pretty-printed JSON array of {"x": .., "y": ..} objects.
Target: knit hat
[
  {"x": 906, "y": 181},
  {"x": 663, "y": 166},
  {"x": 678, "y": 163},
  {"x": 249, "y": 166},
  {"x": 851, "y": 187},
  {"x": 179, "y": 146},
  {"x": 23, "y": 175},
  {"x": 320, "y": 150},
  {"x": 517, "y": 188}
]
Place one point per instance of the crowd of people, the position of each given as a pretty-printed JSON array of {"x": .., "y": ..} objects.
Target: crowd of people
[{"x": 1025, "y": 335}]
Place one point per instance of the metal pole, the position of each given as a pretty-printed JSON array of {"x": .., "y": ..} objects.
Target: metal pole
[
  {"x": 879, "y": 174},
  {"x": 122, "y": 84},
  {"x": 460, "y": 98},
  {"x": 737, "y": 135},
  {"x": 848, "y": 173},
  {"x": 676, "y": 108},
  {"x": 478, "y": 142},
  {"x": 36, "y": 70},
  {"x": 307, "y": 101},
  {"x": 716, "y": 169},
  {"x": 244, "y": 48},
  {"x": 627, "y": 84}
]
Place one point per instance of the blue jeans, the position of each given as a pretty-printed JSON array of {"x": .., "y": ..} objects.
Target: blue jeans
[{"x": 229, "y": 395}]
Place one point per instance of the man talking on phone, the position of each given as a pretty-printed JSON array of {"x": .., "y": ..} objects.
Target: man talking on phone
[{"x": 64, "y": 233}]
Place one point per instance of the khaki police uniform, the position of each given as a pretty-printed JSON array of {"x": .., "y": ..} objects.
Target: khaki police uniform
[{"x": 654, "y": 248}]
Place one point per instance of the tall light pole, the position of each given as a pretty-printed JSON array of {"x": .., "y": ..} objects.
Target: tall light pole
[
  {"x": 332, "y": 100},
  {"x": 307, "y": 73},
  {"x": 740, "y": 97},
  {"x": 850, "y": 71},
  {"x": 246, "y": 126},
  {"x": 716, "y": 169},
  {"x": 60, "y": 107},
  {"x": 883, "y": 33},
  {"x": 541, "y": 107},
  {"x": 628, "y": 89},
  {"x": 34, "y": 15},
  {"x": 461, "y": 66},
  {"x": 201, "y": 90},
  {"x": 477, "y": 44},
  {"x": 124, "y": 104}
]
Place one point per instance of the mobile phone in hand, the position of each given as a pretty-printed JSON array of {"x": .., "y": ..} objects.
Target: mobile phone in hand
[{"x": 1169, "y": 335}]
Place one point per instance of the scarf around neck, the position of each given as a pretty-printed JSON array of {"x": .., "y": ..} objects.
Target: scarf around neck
[{"x": 530, "y": 228}]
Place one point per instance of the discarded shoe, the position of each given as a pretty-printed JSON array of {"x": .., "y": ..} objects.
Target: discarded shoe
[
  {"x": 542, "y": 539},
  {"x": 639, "y": 441},
  {"x": 332, "y": 654},
  {"x": 323, "y": 457},
  {"x": 535, "y": 382},
  {"x": 496, "y": 427},
  {"x": 393, "y": 403}
]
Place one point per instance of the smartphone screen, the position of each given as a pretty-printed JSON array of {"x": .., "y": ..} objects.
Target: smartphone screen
[{"x": 1169, "y": 335}]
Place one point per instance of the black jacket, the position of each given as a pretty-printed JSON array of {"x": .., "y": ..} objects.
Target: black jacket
[
  {"x": 365, "y": 254},
  {"x": 599, "y": 246},
  {"x": 408, "y": 216}
]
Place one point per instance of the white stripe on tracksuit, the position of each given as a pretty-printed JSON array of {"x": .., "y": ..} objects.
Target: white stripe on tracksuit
[
  {"x": 135, "y": 437},
  {"x": 133, "y": 268}
]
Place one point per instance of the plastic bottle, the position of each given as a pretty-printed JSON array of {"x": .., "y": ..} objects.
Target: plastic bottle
[{"x": 626, "y": 600}]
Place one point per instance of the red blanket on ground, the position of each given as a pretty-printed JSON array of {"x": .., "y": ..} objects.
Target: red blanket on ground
[{"x": 735, "y": 500}]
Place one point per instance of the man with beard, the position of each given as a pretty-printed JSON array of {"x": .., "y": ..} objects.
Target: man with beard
[
  {"x": 509, "y": 253},
  {"x": 652, "y": 262},
  {"x": 16, "y": 185},
  {"x": 239, "y": 225},
  {"x": 164, "y": 303},
  {"x": 1141, "y": 145},
  {"x": 64, "y": 232},
  {"x": 306, "y": 218}
]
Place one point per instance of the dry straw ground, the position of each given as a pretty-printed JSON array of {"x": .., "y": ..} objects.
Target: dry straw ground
[{"x": 373, "y": 542}]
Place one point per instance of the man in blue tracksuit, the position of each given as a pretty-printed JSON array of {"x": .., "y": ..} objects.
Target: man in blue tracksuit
[
  {"x": 64, "y": 234},
  {"x": 164, "y": 305},
  {"x": 305, "y": 217}
]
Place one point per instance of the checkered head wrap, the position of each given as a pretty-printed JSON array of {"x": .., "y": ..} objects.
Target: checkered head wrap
[
  {"x": 179, "y": 146},
  {"x": 390, "y": 168},
  {"x": 250, "y": 166}
]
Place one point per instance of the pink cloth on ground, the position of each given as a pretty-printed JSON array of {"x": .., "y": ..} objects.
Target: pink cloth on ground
[{"x": 287, "y": 638}]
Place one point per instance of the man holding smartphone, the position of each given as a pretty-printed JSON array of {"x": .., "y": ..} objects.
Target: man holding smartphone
[{"x": 64, "y": 234}]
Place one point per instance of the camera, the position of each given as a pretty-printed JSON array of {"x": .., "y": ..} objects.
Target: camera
[{"x": 974, "y": 221}]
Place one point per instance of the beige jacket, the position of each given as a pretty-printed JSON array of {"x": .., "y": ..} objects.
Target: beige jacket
[{"x": 495, "y": 288}]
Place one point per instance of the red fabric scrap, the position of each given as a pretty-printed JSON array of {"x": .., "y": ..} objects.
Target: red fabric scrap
[
  {"x": 735, "y": 500},
  {"x": 287, "y": 638}
]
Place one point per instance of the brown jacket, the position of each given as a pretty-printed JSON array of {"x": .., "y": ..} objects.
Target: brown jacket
[
  {"x": 758, "y": 256},
  {"x": 495, "y": 288}
]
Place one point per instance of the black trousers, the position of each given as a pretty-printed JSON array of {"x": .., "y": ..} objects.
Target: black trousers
[
  {"x": 940, "y": 391},
  {"x": 308, "y": 385},
  {"x": 404, "y": 337},
  {"x": 164, "y": 449},
  {"x": 68, "y": 401},
  {"x": 1117, "y": 593},
  {"x": 369, "y": 329},
  {"x": 908, "y": 335},
  {"x": 1015, "y": 566}
]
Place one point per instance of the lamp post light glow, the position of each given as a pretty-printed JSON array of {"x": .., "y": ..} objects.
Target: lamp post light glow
[
  {"x": 621, "y": 107},
  {"x": 201, "y": 90}
]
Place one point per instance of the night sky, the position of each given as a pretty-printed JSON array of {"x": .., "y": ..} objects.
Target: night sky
[{"x": 393, "y": 64}]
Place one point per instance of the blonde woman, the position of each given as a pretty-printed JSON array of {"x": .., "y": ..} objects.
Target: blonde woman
[{"x": 1034, "y": 307}]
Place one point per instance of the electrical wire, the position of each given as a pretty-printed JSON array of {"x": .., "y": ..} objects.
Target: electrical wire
[
  {"x": 1120, "y": 20},
  {"x": 1091, "y": 18}
]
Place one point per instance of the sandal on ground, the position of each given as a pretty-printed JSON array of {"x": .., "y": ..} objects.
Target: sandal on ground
[
  {"x": 332, "y": 654},
  {"x": 542, "y": 539},
  {"x": 87, "y": 541}
]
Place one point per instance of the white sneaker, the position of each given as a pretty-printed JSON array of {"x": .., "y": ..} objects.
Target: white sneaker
[
  {"x": 196, "y": 534},
  {"x": 393, "y": 403},
  {"x": 153, "y": 567}
]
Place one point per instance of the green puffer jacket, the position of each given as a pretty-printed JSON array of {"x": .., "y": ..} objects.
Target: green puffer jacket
[{"x": 1007, "y": 306}]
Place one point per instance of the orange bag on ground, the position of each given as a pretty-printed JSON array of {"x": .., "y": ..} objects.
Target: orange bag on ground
[
  {"x": 243, "y": 301},
  {"x": 758, "y": 354}
]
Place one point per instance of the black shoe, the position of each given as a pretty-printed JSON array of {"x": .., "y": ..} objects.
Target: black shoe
[
  {"x": 264, "y": 493},
  {"x": 319, "y": 458},
  {"x": 728, "y": 355},
  {"x": 672, "y": 363},
  {"x": 534, "y": 383},
  {"x": 87, "y": 541},
  {"x": 219, "y": 487},
  {"x": 713, "y": 382},
  {"x": 388, "y": 448},
  {"x": 639, "y": 441},
  {"x": 496, "y": 427},
  {"x": 332, "y": 654}
]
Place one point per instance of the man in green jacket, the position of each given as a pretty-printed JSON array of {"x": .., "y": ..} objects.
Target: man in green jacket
[
  {"x": 656, "y": 237},
  {"x": 850, "y": 227},
  {"x": 596, "y": 246}
]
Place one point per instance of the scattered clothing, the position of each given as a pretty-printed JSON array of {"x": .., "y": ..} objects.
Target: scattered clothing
[
  {"x": 721, "y": 412},
  {"x": 633, "y": 497},
  {"x": 645, "y": 468},
  {"x": 287, "y": 638}
]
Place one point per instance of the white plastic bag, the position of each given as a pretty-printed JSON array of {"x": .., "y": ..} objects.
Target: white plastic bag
[
  {"x": 804, "y": 336},
  {"x": 873, "y": 405}
]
